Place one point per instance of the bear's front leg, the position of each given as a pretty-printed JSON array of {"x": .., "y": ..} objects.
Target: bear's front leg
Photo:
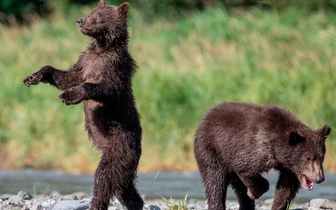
[
  {"x": 73, "y": 95},
  {"x": 41, "y": 75},
  {"x": 60, "y": 79},
  {"x": 286, "y": 189}
]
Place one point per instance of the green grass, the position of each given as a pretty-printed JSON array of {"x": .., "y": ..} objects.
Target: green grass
[
  {"x": 172, "y": 205},
  {"x": 185, "y": 67}
]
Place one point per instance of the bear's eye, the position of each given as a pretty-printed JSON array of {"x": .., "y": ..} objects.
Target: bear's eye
[{"x": 308, "y": 159}]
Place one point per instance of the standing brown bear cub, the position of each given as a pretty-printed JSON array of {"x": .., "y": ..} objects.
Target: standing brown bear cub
[
  {"x": 102, "y": 80},
  {"x": 236, "y": 142}
]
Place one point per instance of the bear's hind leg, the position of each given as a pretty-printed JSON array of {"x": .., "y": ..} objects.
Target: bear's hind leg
[
  {"x": 129, "y": 196},
  {"x": 286, "y": 188},
  {"x": 215, "y": 181},
  {"x": 115, "y": 179},
  {"x": 245, "y": 202},
  {"x": 102, "y": 189}
]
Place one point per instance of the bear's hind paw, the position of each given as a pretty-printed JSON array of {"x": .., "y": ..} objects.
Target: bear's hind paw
[{"x": 254, "y": 195}]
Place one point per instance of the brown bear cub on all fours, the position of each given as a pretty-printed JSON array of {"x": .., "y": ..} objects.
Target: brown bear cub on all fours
[
  {"x": 102, "y": 80},
  {"x": 236, "y": 142}
]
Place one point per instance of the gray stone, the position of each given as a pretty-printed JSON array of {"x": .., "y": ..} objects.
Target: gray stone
[
  {"x": 322, "y": 204},
  {"x": 313, "y": 208},
  {"x": 55, "y": 193},
  {"x": 304, "y": 205},
  {"x": 39, "y": 207},
  {"x": 47, "y": 203},
  {"x": 264, "y": 208},
  {"x": 71, "y": 205},
  {"x": 5, "y": 196},
  {"x": 268, "y": 202},
  {"x": 56, "y": 198},
  {"x": 152, "y": 207},
  {"x": 70, "y": 197},
  {"x": 191, "y": 206},
  {"x": 232, "y": 206},
  {"x": 16, "y": 201},
  {"x": 25, "y": 195},
  {"x": 114, "y": 208},
  {"x": 81, "y": 195}
]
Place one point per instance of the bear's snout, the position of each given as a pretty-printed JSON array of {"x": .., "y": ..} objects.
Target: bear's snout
[
  {"x": 79, "y": 21},
  {"x": 319, "y": 179}
]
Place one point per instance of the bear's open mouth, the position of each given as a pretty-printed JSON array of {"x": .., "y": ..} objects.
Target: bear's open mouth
[{"x": 306, "y": 183}]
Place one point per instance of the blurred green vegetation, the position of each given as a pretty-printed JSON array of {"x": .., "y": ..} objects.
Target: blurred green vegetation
[
  {"x": 19, "y": 8},
  {"x": 186, "y": 65},
  {"x": 25, "y": 10}
]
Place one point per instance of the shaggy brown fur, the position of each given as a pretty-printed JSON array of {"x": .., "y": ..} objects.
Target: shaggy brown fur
[
  {"x": 236, "y": 142},
  {"x": 102, "y": 80}
]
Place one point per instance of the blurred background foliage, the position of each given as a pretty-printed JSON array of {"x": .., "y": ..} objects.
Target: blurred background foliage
[
  {"x": 22, "y": 10},
  {"x": 192, "y": 55}
]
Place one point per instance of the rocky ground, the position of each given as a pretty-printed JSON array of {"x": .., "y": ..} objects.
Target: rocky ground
[{"x": 80, "y": 201}]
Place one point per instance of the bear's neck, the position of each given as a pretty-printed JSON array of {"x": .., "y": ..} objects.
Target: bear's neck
[{"x": 110, "y": 41}]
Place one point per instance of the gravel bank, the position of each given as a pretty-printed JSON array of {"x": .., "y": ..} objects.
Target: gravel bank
[{"x": 80, "y": 201}]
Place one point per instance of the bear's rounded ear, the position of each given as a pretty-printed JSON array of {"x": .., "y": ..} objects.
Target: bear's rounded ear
[
  {"x": 101, "y": 3},
  {"x": 324, "y": 131},
  {"x": 123, "y": 8},
  {"x": 295, "y": 138}
]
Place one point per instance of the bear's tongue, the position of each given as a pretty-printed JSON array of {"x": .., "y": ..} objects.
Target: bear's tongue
[{"x": 307, "y": 183}]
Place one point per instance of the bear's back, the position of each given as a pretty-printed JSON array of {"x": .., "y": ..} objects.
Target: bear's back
[
  {"x": 250, "y": 117},
  {"x": 246, "y": 133}
]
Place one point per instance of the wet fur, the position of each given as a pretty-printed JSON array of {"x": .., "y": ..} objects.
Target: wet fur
[
  {"x": 236, "y": 142},
  {"x": 102, "y": 80}
]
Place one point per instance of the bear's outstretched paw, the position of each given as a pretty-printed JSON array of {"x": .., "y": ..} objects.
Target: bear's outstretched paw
[{"x": 33, "y": 79}]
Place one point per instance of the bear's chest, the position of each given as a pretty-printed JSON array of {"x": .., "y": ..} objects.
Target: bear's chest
[
  {"x": 92, "y": 69},
  {"x": 95, "y": 67}
]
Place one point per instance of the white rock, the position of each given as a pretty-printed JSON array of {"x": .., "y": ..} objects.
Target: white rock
[
  {"x": 313, "y": 208},
  {"x": 191, "y": 206},
  {"x": 232, "y": 206},
  {"x": 70, "y": 197},
  {"x": 322, "y": 204},
  {"x": 16, "y": 201},
  {"x": 264, "y": 208},
  {"x": 71, "y": 205},
  {"x": 268, "y": 202}
]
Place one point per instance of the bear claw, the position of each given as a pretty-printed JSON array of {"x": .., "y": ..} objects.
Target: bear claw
[
  {"x": 253, "y": 196},
  {"x": 32, "y": 80}
]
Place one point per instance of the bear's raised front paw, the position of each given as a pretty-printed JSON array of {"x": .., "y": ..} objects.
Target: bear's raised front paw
[
  {"x": 32, "y": 80},
  {"x": 71, "y": 96}
]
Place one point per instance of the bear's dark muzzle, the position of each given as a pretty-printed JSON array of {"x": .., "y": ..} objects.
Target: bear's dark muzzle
[
  {"x": 320, "y": 179},
  {"x": 79, "y": 21}
]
